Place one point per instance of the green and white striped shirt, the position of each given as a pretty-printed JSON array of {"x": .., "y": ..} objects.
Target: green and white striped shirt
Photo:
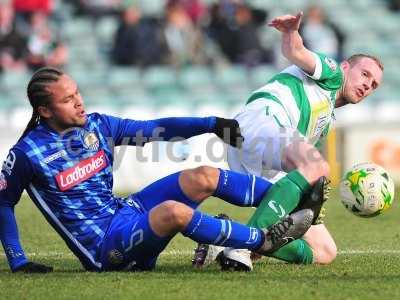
[{"x": 298, "y": 100}]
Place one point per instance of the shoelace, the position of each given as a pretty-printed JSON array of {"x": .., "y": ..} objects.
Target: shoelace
[{"x": 279, "y": 229}]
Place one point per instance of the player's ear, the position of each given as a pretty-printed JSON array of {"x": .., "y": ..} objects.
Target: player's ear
[
  {"x": 44, "y": 112},
  {"x": 345, "y": 65}
]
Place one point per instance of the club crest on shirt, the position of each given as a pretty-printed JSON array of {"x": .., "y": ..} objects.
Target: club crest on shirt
[
  {"x": 331, "y": 63},
  {"x": 90, "y": 140},
  {"x": 3, "y": 182}
]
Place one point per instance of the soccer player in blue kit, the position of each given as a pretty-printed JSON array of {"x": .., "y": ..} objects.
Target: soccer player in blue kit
[{"x": 64, "y": 161}]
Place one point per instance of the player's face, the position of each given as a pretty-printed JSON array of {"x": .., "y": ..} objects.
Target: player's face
[
  {"x": 66, "y": 108},
  {"x": 361, "y": 79}
]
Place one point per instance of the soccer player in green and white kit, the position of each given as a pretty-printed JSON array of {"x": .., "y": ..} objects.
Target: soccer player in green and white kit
[{"x": 297, "y": 103}]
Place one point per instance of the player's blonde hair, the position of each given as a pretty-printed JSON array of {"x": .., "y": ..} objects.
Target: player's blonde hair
[{"x": 356, "y": 57}]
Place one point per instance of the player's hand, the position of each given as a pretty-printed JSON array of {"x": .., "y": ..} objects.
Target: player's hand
[
  {"x": 31, "y": 267},
  {"x": 287, "y": 23},
  {"x": 229, "y": 131}
]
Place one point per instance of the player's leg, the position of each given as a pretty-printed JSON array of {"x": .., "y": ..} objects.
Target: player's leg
[
  {"x": 285, "y": 194},
  {"x": 171, "y": 217},
  {"x": 317, "y": 246},
  {"x": 235, "y": 188},
  {"x": 193, "y": 186},
  {"x": 322, "y": 244},
  {"x": 284, "y": 197},
  {"x": 136, "y": 239},
  {"x": 130, "y": 243},
  {"x": 267, "y": 145}
]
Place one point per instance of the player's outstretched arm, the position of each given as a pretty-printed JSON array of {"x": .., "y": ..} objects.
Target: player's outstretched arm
[
  {"x": 172, "y": 129},
  {"x": 12, "y": 247},
  {"x": 226, "y": 129},
  {"x": 292, "y": 43}
]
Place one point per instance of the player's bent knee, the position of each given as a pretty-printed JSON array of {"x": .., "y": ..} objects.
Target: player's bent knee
[
  {"x": 300, "y": 155},
  {"x": 324, "y": 168},
  {"x": 206, "y": 178},
  {"x": 313, "y": 159},
  {"x": 200, "y": 183},
  {"x": 175, "y": 214},
  {"x": 169, "y": 218},
  {"x": 312, "y": 166}
]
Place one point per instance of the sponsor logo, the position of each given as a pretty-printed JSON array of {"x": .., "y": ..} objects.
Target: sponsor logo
[
  {"x": 331, "y": 64},
  {"x": 90, "y": 140},
  {"x": 320, "y": 125},
  {"x": 274, "y": 206},
  {"x": 55, "y": 156},
  {"x": 287, "y": 240},
  {"x": 12, "y": 253},
  {"x": 82, "y": 171},
  {"x": 9, "y": 163},
  {"x": 254, "y": 234},
  {"x": 3, "y": 182},
  {"x": 130, "y": 202}
]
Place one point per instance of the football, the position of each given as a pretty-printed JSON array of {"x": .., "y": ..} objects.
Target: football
[{"x": 367, "y": 190}]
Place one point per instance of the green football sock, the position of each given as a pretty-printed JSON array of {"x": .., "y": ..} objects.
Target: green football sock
[
  {"x": 298, "y": 252},
  {"x": 280, "y": 200}
]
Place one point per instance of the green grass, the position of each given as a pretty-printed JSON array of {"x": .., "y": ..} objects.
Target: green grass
[{"x": 372, "y": 272}]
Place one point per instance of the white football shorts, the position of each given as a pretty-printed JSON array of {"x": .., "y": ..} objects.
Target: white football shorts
[{"x": 266, "y": 135}]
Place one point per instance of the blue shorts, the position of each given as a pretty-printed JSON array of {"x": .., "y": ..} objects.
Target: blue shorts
[{"x": 130, "y": 243}]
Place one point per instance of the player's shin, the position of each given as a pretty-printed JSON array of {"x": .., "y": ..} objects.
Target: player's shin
[
  {"x": 297, "y": 252},
  {"x": 209, "y": 230},
  {"x": 281, "y": 199},
  {"x": 240, "y": 189}
]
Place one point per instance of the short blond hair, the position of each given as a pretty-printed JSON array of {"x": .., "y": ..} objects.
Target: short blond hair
[{"x": 356, "y": 57}]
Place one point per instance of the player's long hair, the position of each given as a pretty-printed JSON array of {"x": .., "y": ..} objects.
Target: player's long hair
[{"x": 38, "y": 93}]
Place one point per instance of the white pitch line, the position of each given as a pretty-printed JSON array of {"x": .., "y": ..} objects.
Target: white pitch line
[
  {"x": 355, "y": 252},
  {"x": 340, "y": 252},
  {"x": 54, "y": 254}
]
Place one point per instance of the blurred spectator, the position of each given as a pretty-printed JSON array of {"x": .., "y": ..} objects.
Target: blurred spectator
[
  {"x": 138, "y": 41},
  {"x": 320, "y": 35},
  {"x": 31, "y": 6},
  {"x": 195, "y": 9},
  {"x": 13, "y": 48},
  {"x": 44, "y": 48},
  {"x": 24, "y": 10},
  {"x": 249, "y": 50},
  {"x": 97, "y": 8},
  {"x": 184, "y": 39},
  {"x": 235, "y": 29},
  {"x": 394, "y": 5}
]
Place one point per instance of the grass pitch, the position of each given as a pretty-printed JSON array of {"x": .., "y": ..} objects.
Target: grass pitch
[{"x": 367, "y": 267}]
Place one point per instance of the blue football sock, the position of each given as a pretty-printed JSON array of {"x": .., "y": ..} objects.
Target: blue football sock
[
  {"x": 208, "y": 230},
  {"x": 240, "y": 189}
]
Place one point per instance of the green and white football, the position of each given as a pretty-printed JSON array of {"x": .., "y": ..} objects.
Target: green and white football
[{"x": 367, "y": 190}]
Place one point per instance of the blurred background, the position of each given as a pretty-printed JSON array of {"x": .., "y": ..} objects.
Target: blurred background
[{"x": 155, "y": 58}]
